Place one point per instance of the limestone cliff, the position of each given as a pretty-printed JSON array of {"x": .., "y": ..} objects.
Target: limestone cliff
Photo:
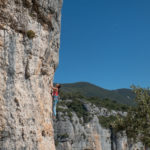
[
  {"x": 29, "y": 51},
  {"x": 74, "y": 131}
]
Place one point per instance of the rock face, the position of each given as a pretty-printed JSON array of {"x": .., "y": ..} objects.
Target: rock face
[
  {"x": 29, "y": 51},
  {"x": 72, "y": 133}
]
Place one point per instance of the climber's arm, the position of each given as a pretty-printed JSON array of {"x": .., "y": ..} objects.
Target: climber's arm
[{"x": 54, "y": 88}]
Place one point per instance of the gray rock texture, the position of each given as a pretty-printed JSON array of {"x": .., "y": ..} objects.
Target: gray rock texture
[
  {"x": 29, "y": 55},
  {"x": 72, "y": 133}
]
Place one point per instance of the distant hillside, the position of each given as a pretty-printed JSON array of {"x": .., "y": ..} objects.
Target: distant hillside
[{"x": 124, "y": 96}]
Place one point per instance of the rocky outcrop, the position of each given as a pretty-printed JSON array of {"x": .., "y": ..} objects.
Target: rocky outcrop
[
  {"x": 29, "y": 55},
  {"x": 73, "y": 133}
]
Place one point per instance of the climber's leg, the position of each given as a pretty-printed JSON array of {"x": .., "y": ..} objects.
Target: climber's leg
[{"x": 55, "y": 101}]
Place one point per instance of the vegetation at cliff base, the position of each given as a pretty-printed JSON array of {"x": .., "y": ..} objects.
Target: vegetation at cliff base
[{"x": 137, "y": 122}]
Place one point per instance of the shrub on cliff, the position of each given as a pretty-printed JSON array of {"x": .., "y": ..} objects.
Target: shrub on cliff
[
  {"x": 63, "y": 136},
  {"x": 78, "y": 107},
  {"x": 30, "y": 34},
  {"x": 106, "y": 122}
]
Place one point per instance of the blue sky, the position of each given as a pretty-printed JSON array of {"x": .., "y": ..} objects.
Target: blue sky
[{"x": 105, "y": 42}]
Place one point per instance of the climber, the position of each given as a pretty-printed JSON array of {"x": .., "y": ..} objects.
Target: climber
[{"x": 55, "y": 95}]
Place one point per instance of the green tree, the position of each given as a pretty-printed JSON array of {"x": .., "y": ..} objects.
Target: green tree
[{"x": 137, "y": 122}]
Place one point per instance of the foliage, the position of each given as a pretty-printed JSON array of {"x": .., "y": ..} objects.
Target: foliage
[
  {"x": 27, "y": 3},
  {"x": 63, "y": 136},
  {"x": 59, "y": 109},
  {"x": 106, "y": 122},
  {"x": 137, "y": 122},
  {"x": 56, "y": 142},
  {"x": 89, "y": 90},
  {"x": 78, "y": 107},
  {"x": 70, "y": 95},
  {"x": 30, "y": 34},
  {"x": 64, "y": 111},
  {"x": 107, "y": 103}
]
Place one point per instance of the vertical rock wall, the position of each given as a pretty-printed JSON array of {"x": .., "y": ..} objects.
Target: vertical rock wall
[{"x": 29, "y": 51}]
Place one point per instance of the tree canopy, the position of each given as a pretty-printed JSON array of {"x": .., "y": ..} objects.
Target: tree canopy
[{"x": 137, "y": 122}]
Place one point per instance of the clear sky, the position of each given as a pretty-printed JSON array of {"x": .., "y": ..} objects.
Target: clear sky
[{"x": 105, "y": 42}]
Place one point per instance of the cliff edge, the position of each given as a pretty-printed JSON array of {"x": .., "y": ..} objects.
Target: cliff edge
[
  {"x": 83, "y": 125},
  {"x": 29, "y": 55}
]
